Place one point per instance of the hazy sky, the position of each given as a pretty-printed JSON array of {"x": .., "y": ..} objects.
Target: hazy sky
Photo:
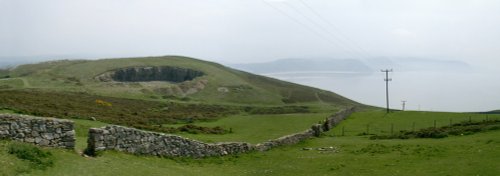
[
  {"x": 242, "y": 31},
  {"x": 253, "y": 30}
]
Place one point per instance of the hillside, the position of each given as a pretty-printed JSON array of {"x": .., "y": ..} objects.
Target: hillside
[
  {"x": 148, "y": 93},
  {"x": 491, "y": 112},
  {"x": 140, "y": 78}
]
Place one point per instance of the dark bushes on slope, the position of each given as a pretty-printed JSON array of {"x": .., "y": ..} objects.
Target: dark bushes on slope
[{"x": 463, "y": 128}]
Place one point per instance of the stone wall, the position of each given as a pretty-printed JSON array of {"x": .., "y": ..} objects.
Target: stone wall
[
  {"x": 150, "y": 143},
  {"x": 285, "y": 140},
  {"x": 136, "y": 141},
  {"x": 315, "y": 130},
  {"x": 48, "y": 132},
  {"x": 337, "y": 118}
]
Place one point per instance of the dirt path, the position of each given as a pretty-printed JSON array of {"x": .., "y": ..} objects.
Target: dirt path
[
  {"x": 25, "y": 82},
  {"x": 319, "y": 99}
]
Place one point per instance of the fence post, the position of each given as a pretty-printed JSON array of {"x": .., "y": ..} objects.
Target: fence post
[
  {"x": 367, "y": 128},
  {"x": 470, "y": 119},
  {"x": 413, "y": 126},
  {"x": 451, "y": 121},
  {"x": 434, "y": 123}
]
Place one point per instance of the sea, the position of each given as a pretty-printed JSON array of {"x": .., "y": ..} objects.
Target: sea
[{"x": 470, "y": 91}]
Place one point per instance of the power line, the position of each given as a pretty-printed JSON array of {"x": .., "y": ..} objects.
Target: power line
[
  {"x": 293, "y": 19},
  {"x": 333, "y": 26},
  {"x": 301, "y": 24},
  {"x": 319, "y": 16},
  {"x": 324, "y": 29}
]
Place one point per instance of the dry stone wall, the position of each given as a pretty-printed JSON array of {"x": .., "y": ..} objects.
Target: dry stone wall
[
  {"x": 285, "y": 140},
  {"x": 337, "y": 118},
  {"x": 315, "y": 130},
  {"x": 150, "y": 143},
  {"x": 48, "y": 132},
  {"x": 136, "y": 141}
]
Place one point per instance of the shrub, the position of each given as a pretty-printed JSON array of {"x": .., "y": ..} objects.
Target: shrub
[
  {"x": 431, "y": 133},
  {"x": 462, "y": 128},
  {"x": 38, "y": 158},
  {"x": 103, "y": 103},
  {"x": 206, "y": 130},
  {"x": 277, "y": 110}
]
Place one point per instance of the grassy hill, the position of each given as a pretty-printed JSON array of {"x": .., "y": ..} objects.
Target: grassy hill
[
  {"x": 151, "y": 92},
  {"x": 219, "y": 84},
  {"x": 492, "y": 112}
]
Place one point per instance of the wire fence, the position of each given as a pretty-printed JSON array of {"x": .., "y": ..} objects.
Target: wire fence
[{"x": 393, "y": 128}]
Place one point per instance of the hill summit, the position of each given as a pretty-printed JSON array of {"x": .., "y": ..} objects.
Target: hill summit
[{"x": 165, "y": 77}]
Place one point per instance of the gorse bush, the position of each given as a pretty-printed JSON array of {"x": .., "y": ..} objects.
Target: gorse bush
[
  {"x": 103, "y": 103},
  {"x": 38, "y": 158}
]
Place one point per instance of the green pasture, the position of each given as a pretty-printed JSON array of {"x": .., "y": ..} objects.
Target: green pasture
[
  {"x": 256, "y": 128},
  {"x": 331, "y": 154},
  {"x": 381, "y": 123}
]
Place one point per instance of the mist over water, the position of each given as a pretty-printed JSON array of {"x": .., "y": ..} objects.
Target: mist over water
[{"x": 423, "y": 90}]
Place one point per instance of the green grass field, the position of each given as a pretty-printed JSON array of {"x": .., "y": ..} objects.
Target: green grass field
[
  {"x": 475, "y": 154},
  {"x": 257, "y": 128},
  {"x": 380, "y": 123}
]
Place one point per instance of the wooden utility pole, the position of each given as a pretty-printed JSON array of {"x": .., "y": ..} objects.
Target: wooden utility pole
[
  {"x": 387, "y": 79},
  {"x": 404, "y": 104}
]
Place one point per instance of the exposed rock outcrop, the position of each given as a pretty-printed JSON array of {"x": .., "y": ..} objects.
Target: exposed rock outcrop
[{"x": 144, "y": 74}]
